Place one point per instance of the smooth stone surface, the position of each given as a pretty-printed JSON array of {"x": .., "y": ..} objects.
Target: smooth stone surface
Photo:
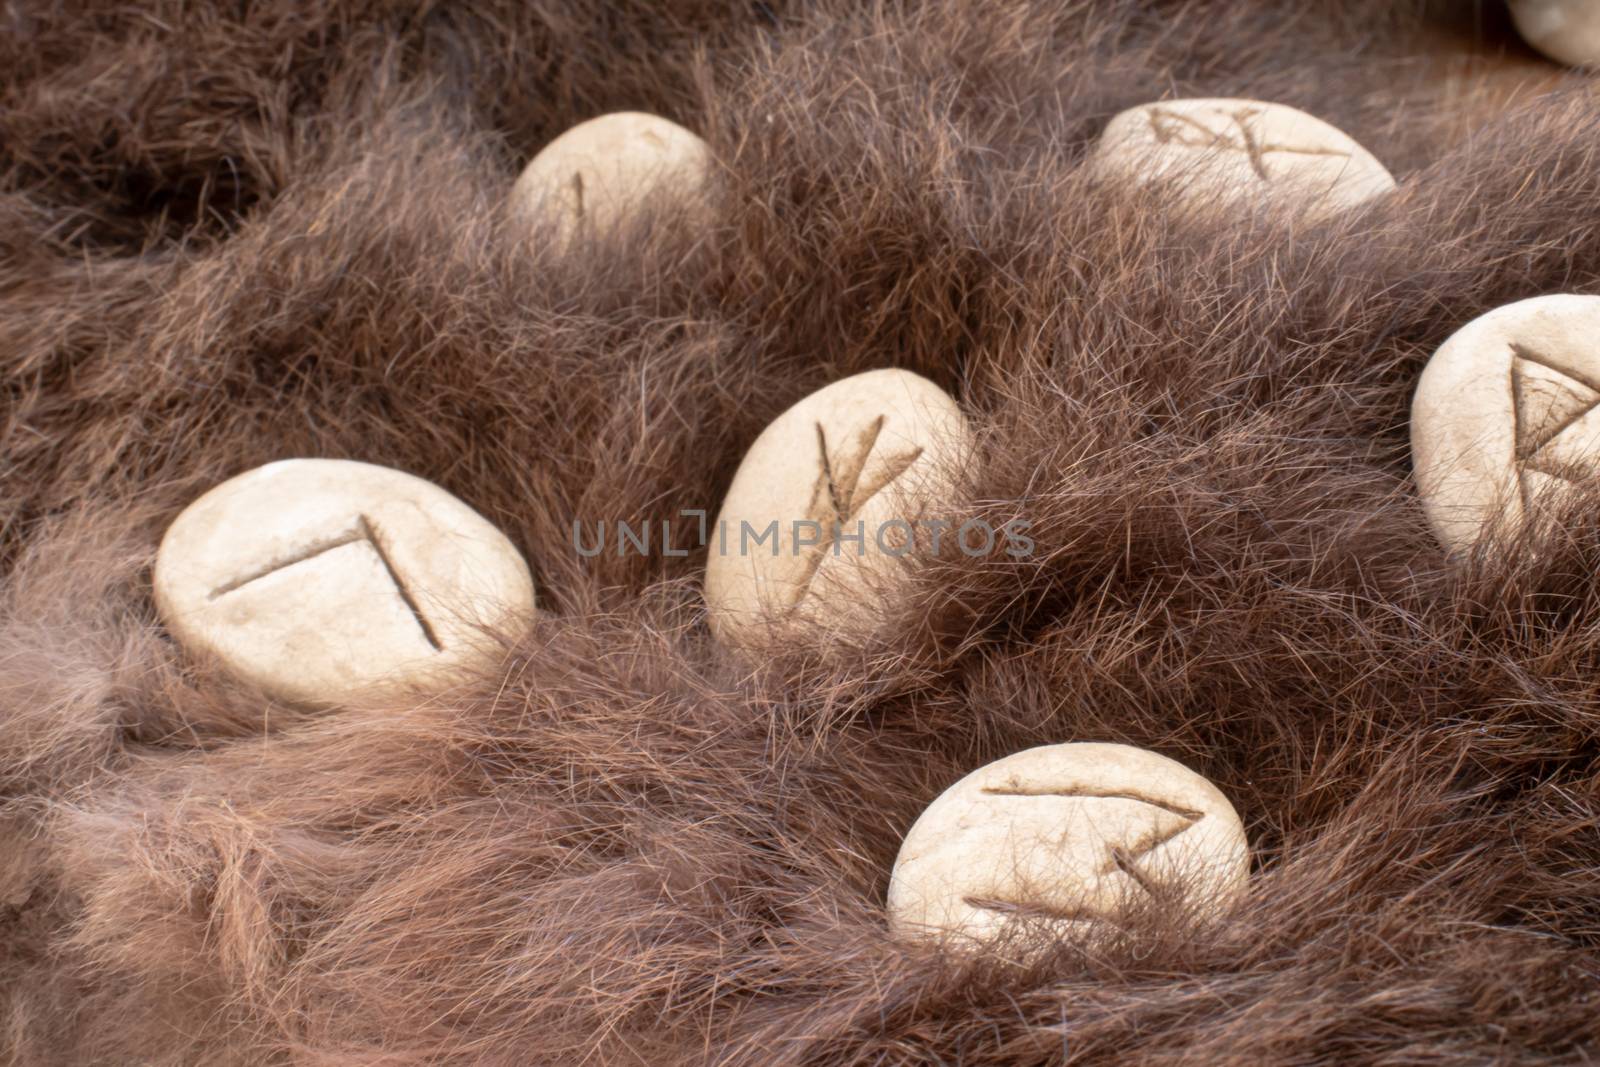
[
  {"x": 320, "y": 579},
  {"x": 1068, "y": 836},
  {"x": 601, "y": 172},
  {"x": 1240, "y": 151},
  {"x": 1504, "y": 416},
  {"x": 1564, "y": 30},
  {"x": 869, "y": 452}
]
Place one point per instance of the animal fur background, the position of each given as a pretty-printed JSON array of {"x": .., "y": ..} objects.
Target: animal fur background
[{"x": 235, "y": 232}]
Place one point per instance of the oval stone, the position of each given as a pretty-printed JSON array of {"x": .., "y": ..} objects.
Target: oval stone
[
  {"x": 1062, "y": 837},
  {"x": 1239, "y": 152},
  {"x": 1504, "y": 421},
  {"x": 1564, "y": 30},
  {"x": 828, "y": 504},
  {"x": 608, "y": 170},
  {"x": 321, "y": 579}
]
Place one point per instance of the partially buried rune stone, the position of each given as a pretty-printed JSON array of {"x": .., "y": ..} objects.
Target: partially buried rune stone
[
  {"x": 829, "y": 504},
  {"x": 603, "y": 173},
  {"x": 1504, "y": 419},
  {"x": 1240, "y": 152},
  {"x": 1064, "y": 837},
  {"x": 322, "y": 579}
]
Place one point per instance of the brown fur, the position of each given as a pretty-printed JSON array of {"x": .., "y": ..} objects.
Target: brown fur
[{"x": 232, "y": 233}]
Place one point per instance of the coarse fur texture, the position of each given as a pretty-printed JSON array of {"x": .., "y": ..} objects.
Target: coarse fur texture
[{"x": 232, "y": 233}]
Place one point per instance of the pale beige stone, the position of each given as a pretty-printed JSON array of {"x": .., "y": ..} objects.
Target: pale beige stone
[
  {"x": 1564, "y": 30},
  {"x": 1239, "y": 152},
  {"x": 1504, "y": 418},
  {"x": 321, "y": 579},
  {"x": 602, "y": 172},
  {"x": 1066, "y": 836},
  {"x": 873, "y": 455}
]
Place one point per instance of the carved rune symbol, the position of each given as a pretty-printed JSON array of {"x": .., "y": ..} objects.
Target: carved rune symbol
[
  {"x": 577, "y": 191},
  {"x": 1545, "y": 403},
  {"x": 843, "y": 488},
  {"x": 1174, "y": 127},
  {"x": 1169, "y": 821},
  {"x": 362, "y": 532}
]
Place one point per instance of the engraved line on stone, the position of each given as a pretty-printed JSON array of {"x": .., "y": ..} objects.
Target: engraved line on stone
[
  {"x": 363, "y": 530},
  {"x": 1535, "y": 356},
  {"x": 1520, "y": 397},
  {"x": 1167, "y": 806},
  {"x": 1529, "y": 453},
  {"x": 311, "y": 551},
  {"x": 1121, "y": 861},
  {"x": 371, "y": 534},
  {"x": 1257, "y": 161},
  {"x": 893, "y": 468},
  {"x": 1032, "y": 909},
  {"x": 827, "y": 472},
  {"x": 839, "y": 494},
  {"x": 1514, "y": 384},
  {"x": 1172, "y": 130},
  {"x": 1122, "y": 857},
  {"x": 834, "y": 508}
]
